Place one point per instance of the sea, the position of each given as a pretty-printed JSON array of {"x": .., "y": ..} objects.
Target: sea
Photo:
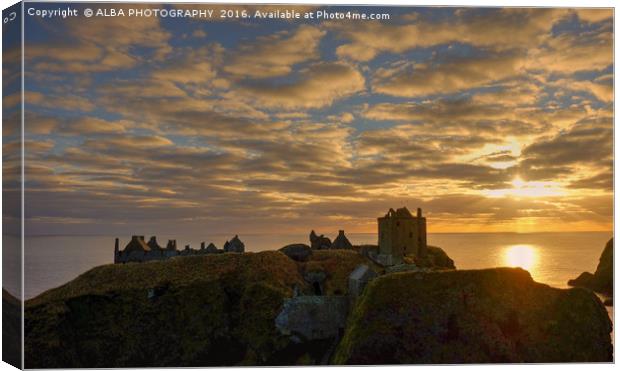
[{"x": 551, "y": 258}]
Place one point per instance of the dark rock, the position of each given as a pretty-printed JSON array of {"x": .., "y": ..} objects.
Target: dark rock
[
  {"x": 435, "y": 257},
  {"x": 341, "y": 242},
  {"x": 216, "y": 310},
  {"x": 585, "y": 279},
  {"x": 367, "y": 250},
  {"x": 475, "y": 316},
  {"x": 317, "y": 280},
  {"x": 334, "y": 266},
  {"x": 603, "y": 279},
  {"x": 11, "y": 330},
  {"x": 319, "y": 242},
  {"x": 359, "y": 278},
  {"x": 200, "y": 311},
  {"x": 313, "y": 317},
  {"x": 405, "y": 268},
  {"x": 298, "y": 251}
]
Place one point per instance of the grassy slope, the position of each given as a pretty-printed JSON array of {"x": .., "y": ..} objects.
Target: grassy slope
[
  {"x": 492, "y": 315},
  {"x": 338, "y": 264},
  {"x": 208, "y": 310}
]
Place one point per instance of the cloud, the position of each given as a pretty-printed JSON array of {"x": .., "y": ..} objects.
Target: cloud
[
  {"x": 318, "y": 85},
  {"x": 594, "y": 15},
  {"x": 101, "y": 44},
  {"x": 568, "y": 53},
  {"x": 195, "y": 66},
  {"x": 67, "y": 102},
  {"x": 257, "y": 134},
  {"x": 588, "y": 141},
  {"x": 601, "y": 88},
  {"x": 499, "y": 29},
  {"x": 275, "y": 55},
  {"x": 199, "y": 34},
  {"x": 415, "y": 80},
  {"x": 465, "y": 117}
]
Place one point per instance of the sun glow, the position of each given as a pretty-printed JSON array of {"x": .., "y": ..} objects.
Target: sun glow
[
  {"x": 523, "y": 256},
  {"x": 521, "y": 188}
]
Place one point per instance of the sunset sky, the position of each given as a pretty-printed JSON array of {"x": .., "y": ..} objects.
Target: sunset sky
[{"x": 489, "y": 119}]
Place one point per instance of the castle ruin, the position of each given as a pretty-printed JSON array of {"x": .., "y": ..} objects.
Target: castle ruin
[
  {"x": 137, "y": 250},
  {"x": 400, "y": 234}
]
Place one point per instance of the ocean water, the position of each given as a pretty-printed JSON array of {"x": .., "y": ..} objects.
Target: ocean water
[{"x": 551, "y": 258}]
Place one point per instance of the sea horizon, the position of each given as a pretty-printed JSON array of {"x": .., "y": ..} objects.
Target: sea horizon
[{"x": 551, "y": 257}]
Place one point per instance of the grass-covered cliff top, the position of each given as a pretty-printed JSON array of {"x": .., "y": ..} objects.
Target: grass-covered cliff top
[
  {"x": 488, "y": 315},
  {"x": 270, "y": 267},
  {"x": 338, "y": 264},
  {"x": 185, "y": 311}
]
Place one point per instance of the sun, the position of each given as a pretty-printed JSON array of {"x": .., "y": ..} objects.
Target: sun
[
  {"x": 518, "y": 183},
  {"x": 523, "y": 256}
]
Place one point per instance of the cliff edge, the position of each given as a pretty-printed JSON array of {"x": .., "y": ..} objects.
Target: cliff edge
[
  {"x": 602, "y": 280},
  {"x": 475, "y": 316}
]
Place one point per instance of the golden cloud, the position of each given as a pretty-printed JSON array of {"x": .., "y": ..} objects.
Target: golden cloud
[{"x": 317, "y": 86}]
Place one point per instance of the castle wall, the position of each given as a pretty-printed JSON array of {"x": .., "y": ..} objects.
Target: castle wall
[{"x": 141, "y": 256}]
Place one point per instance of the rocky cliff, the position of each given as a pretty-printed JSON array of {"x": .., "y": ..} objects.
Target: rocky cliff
[
  {"x": 477, "y": 316},
  {"x": 210, "y": 310},
  {"x": 603, "y": 279},
  {"x": 189, "y": 311},
  {"x": 11, "y": 329},
  {"x": 219, "y": 310}
]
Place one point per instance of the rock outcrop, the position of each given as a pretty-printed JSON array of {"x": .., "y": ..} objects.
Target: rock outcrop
[
  {"x": 11, "y": 329},
  {"x": 297, "y": 251},
  {"x": 268, "y": 309},
  {"x": 203, "y": 310},
  {"x": 434, "y": 257},
  {"x": 603, "y": 279},
  {"x": 313, "y": 317},
  {"x": 358, "y": 280},
  {"x": 477, "y": 316},
  {"x": 331, "y": 269},
  {"x": 197, "y": 311}
]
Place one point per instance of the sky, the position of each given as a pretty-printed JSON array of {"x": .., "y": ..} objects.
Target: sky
[{"x": 490, "y": 120}]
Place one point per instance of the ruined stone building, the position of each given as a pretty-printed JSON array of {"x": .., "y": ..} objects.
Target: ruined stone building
[
  {"x": 234, "y": 245},
  {"x": 324, "y": 243},
  {"x": 137, "y": 250},
  {"x": 341, "y": 242},
  {"x": 400, "y": 234}
]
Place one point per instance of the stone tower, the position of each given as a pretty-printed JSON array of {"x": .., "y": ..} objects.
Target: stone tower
[{"x": 400, "y": 234}]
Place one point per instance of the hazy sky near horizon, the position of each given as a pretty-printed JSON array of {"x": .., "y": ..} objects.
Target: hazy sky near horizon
[{"x": 489, "y": 119}]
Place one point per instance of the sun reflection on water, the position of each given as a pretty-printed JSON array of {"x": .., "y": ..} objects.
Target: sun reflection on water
[{"x": 523, "y": 256}]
